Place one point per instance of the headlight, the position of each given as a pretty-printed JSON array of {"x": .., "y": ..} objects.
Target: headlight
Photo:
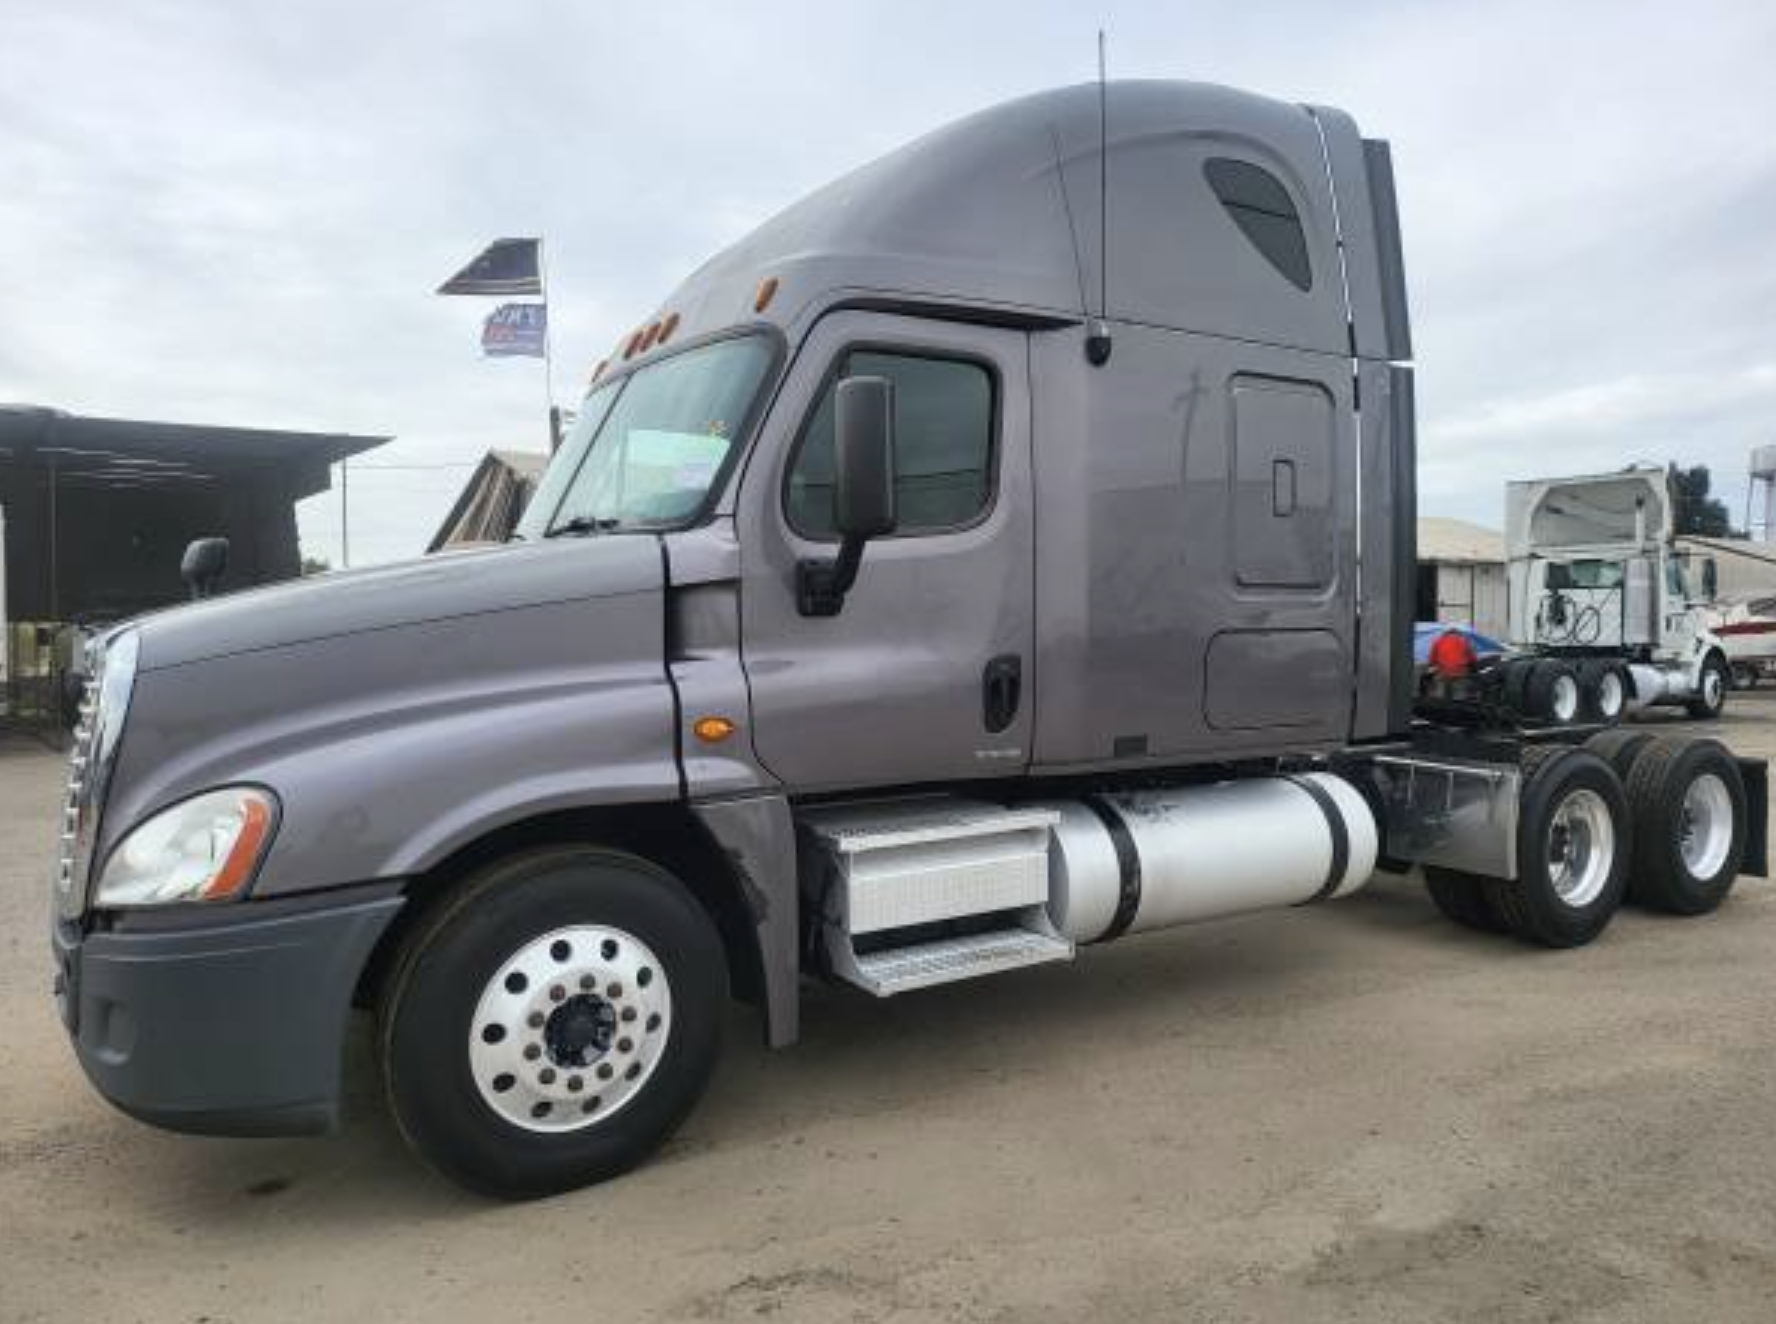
[{"x": 202, "y": 849}]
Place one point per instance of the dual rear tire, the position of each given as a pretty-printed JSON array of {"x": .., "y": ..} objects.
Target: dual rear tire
[
  {"x": 1658, "y": 820},
  {"x": 1560, "y": 693}
]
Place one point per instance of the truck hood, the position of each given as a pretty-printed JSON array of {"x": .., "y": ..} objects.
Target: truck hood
[{"x": 454, "y": 584}]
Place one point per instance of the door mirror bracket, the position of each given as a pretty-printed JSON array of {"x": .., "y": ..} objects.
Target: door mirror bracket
[{"x": 863, "y": 491}]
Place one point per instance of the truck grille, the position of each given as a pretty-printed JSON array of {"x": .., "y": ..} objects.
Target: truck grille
[{"x": 74, "y": 840}]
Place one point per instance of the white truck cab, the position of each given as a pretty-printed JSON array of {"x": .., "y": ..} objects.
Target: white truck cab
[{"x": 1595, "y": 574}]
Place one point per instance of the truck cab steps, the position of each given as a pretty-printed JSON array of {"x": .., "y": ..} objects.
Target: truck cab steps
[
  {"x": 898, "y": 872},
  {"x": 903, "y": 969}
]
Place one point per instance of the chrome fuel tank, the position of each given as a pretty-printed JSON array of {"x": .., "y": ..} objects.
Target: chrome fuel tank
[{"x": 1138, "y": 860}]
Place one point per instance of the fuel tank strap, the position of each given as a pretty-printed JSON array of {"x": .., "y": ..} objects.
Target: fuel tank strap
[
  {"x": 1340, "y": 836},
  {"x": 1128, "y": 867}
]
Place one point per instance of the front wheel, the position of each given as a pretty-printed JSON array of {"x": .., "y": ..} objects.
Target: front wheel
[
  {"x": 1711, "y": 689},
  {"x": 551, "y": 1023}
]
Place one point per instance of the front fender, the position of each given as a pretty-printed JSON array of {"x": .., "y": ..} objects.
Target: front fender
[{"x": 390, "y": 748}]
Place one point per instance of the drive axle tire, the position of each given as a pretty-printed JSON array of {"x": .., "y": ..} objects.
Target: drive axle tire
[
  {"x": 1689, "y": 809},
  {"x": 1712, "y": 686},
  {"x": 1463, "y": 897},
  {"x": 1552, "y": 693},
  {"x": 1605, "y": 688},
  {"x": 1620, "y": 748},
  {"x": 1572, "y": 849},
  {"x": 552, "y": 1022}
]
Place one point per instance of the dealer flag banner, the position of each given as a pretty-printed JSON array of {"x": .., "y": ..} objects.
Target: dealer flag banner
[
  {"x": 506, "y": 266},
  {"x": 516, "y": 330}
]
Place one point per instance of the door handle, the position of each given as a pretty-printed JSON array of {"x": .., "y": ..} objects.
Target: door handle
[
  {"x": 1001, "y": 691},
  {"x": 1282, "y": 488}
]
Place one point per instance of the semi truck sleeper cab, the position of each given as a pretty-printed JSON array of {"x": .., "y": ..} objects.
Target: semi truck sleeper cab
[{"x": 917, "y": 597}]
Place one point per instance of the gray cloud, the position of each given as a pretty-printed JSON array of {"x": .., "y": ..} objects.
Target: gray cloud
[{"x": 235, "y": 212}]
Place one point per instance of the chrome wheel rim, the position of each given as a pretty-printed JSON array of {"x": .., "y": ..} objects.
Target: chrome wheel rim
[
  {"x": 1564, "y": 702},
  {"x": 1705, "y": 832},
  {"x": 1610, "y": 694},
  {"x": 1581, "y": 847},
  {"x": 1713, "y": 691},
  {"x": 569, "y": 1028}
]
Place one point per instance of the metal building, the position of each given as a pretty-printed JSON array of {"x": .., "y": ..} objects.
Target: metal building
[
  {"x": 1461, "y": 575},
  {"x": 95, "y": 514}
]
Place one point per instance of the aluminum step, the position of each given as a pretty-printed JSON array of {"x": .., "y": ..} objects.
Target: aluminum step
[{"x": 902, "y": 969}]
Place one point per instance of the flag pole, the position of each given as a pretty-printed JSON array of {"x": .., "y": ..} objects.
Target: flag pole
[{"x": 548, "y": 362}]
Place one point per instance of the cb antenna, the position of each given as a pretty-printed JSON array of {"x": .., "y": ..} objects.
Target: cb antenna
[{"x": 1097, "y": 340}]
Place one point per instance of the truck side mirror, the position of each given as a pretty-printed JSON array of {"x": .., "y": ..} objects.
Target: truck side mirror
[
  {"x": 203, "y": 565},
  {"x": 863, "y": 490},
  {"x": 1710, "y": 579}
]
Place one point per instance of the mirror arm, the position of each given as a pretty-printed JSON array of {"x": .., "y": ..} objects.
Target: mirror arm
[{"x": 821, "y": 586}]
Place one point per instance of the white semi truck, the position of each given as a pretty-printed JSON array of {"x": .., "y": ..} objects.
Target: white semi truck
[
  {"x": 1606, "y": 611},
  {"x": 1007, "y": 550}
]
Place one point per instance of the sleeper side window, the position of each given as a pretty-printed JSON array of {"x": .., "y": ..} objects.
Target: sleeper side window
[
  {"x": 1257, "y": 202},
  {"x": 943, "y": 444}
]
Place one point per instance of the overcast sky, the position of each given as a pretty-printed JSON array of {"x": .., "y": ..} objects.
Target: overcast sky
[{"x": 235, "y": 211}]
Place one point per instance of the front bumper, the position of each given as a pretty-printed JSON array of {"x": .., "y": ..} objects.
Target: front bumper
[{"x": 232, "y": 1025}]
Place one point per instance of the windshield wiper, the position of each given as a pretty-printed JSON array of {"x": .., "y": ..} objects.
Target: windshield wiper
[{"x": 581, "y": 525}]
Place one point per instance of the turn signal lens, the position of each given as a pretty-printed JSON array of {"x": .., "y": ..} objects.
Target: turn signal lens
[
  {"x": 668, "y": 327},
  {"x": 713, "y": 730},
  {"x": 767, "y": 291}
]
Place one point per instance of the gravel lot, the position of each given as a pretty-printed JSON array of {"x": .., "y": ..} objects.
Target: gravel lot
[{"x": 1351, "y": 1112}]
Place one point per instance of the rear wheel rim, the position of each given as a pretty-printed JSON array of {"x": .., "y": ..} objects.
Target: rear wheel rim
[
  {"x": 569, "y": 1028},
  {"x": 1563, "y": 700},
  {"x": 1610, "y": 694},
  {"x": 1705, "y": 827},
  {"x": 1581, "y": 847}
]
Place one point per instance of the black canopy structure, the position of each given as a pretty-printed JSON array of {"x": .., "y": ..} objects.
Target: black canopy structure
[{"x": 97, "y": 511}]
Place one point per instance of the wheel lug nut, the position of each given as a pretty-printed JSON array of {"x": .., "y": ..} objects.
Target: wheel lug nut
[
  {"x": 547, "y": 1075},
  {"x": 574, "y": 1083},
  {"x": 532, "y": 1052},
  {"x": 625, "y": 1045},
  {"x": 535, "y": 1020},
  {"x": 613, "y": 991},
  {"x": 588, "y": 983},
  {"x": 628, "y": 1014},
  {"x": 557, "y": 993}
]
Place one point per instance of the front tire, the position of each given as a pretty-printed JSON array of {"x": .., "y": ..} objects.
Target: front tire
[
  {"x": 1711, "y": 689},
  {"x": 552, "y": 1022}
]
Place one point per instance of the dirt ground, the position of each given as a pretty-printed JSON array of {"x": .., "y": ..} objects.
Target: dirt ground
[{"x": 1350, "y": 1112}]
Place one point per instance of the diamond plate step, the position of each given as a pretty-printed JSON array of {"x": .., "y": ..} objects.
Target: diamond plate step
[{"x": 902, "y": 969}]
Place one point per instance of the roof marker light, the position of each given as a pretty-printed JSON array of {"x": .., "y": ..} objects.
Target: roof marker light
[{"x": 767, "y": 291}]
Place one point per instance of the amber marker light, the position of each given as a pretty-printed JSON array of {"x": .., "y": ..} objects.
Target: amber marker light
[
  {"x": 237, "y": 869},
  {"x": 668, "y": 327},
  {"x": 767, "y": 291},
  {"x": 713, "y": 730},
  {"x": 633, "y": 345},
  {"x": 650, "y": 337}
]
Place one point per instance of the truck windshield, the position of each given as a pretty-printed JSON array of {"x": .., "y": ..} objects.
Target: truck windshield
[{"x": 646, "y": 447}]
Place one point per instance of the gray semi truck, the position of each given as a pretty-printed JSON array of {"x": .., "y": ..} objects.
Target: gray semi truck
[{"x": 1007, "y": 549}]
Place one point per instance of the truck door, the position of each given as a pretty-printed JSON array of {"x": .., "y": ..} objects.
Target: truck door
[{"x": 926, "y": 673}]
